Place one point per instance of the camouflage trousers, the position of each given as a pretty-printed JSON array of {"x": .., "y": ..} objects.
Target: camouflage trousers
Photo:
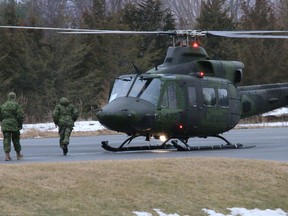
[
  {"x": 64, "y": 133},
  {"x": 15, "y": 137}
]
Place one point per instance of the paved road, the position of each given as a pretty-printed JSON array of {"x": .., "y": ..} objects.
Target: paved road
[{"x": 271, "y": 144}]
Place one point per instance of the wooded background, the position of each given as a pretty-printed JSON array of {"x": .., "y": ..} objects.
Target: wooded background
[{"x": 42, "y": 66}]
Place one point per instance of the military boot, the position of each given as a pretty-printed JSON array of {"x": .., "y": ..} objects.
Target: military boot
[
  {"x": 7, "y": 158},
  {"x": 65, "y": 149},
  {"x": 19, "y": 156}
]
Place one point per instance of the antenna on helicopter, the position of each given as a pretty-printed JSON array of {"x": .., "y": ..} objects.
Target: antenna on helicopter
[{"x": 138, "y": 71}]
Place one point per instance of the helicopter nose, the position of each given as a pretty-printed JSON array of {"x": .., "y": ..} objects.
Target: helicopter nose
[{"x": 128, "y": 115}]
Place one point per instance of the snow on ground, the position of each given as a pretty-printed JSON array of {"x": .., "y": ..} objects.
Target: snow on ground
[
  {"x": 234, "y": 212},
  {"x": 277, "y": 112},
  {"x": 264, "y": 124},
  {"x": 80, "y": 126},
  {"x": 246, "y": 212}
]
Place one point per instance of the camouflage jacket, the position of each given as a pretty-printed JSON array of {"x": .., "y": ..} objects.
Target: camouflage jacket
[
  {"x": 65, "y": 114},
  {"x": 12, "y": 116}
]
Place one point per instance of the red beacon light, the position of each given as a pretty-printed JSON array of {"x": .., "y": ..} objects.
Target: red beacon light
[
  {"x": 200, "y": 74},
  {"x": 195, "y": 45}
]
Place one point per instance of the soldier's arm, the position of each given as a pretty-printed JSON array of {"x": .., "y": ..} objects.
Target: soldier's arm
[
  {"x": 1, "y": 118},
  {"x": 75, "y": 113},
  {"x": 19, "y": 116},
  {"x": 55, "y": 115}
]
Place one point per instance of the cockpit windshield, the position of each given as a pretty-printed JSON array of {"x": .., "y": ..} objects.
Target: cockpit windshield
[
  {"x": 121, "y": 87},
  {"x": 145, "y": 88}
]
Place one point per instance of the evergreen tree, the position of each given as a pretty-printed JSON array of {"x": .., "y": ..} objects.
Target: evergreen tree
[
  {"x": 37, "y": 64},
  {"x": 214, "y": 16},
  {"x": 149, "y": 15},
  {"x": 264, "y": 58},
  {"x": 106, "y": 58},
  {"x": 14, "y": 71}
]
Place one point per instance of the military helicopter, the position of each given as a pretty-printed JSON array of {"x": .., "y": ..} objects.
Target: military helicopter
[{"x": 187, "y": 96}]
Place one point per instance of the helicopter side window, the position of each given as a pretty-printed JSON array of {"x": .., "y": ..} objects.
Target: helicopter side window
[
  {"x": 169, "y": 98},
  {"x": 209, "y": 97},
  {"x": 223, "y": 98},
  {"x": 173, "y": 97},
  {"x": 192, "y": 96}
]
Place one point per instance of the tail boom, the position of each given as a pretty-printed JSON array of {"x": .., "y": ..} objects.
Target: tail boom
[{"x": 258, "y": 99}]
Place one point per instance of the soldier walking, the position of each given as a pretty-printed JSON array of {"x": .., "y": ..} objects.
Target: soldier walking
[
  {"x": 12, "y": 118},
  {"x": 64, "y": 116}
]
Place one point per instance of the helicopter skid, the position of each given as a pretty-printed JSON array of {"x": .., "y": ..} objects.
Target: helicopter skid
[
  {"x": 174, "y": 145},
  {"x": 209, "y": 147},
  {"x": 107, "y": 147}
]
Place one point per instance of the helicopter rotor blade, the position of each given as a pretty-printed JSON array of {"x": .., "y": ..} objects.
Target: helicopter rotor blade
[
  {"x": 187, "y": 33},
  {"x": 86, "y": 31},
  {"x": 115, "y": 32},
  {"x": 249, "y": 34},
  {"x": 48, "y": 28},
  {"x": 193, "y": 33}
]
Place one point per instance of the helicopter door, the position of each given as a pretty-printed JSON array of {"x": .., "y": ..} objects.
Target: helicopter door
[
  {"x": 215, "y": 106},
  {"x": 193, "y": 112},
  {"x": 172, "y": 104}
]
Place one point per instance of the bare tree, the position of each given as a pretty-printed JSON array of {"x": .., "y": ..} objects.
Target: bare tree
[
  {"x": 86, "y": 5},
  {"x": 116, "y": 5},
  {"x": 186, "y": 12},
  {"x": 53, "y": 12},
  {"x": 282, "y": 13}
]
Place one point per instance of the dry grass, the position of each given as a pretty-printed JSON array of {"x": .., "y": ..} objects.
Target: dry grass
[{"x": 182, "y": 186}]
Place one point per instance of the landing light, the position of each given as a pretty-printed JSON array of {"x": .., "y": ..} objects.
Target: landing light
[{"x": 163, "y": 138}]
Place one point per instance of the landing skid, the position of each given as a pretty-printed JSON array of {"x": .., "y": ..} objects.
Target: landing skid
[
  {"x": 175, "y": 145},
  {"x": 107, "y": 147},
  {"x": 209, "y": 147},
  {"x": 228, "y": 145}
]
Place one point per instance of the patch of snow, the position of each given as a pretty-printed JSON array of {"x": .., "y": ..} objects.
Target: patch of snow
[
  {"x": 277, "y": 112},
  {"x": 158, "y": 211},
  {"x": 80, "y": 126},
  {"x": 234, "y": 212},
  {"x": 142, "y": 213},
  {"x": 247, "y": 212},
  {"x": 265, "y": 124}
]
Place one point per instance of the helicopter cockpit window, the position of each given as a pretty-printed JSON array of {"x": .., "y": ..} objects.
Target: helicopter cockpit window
[
  {"x": 152, "y": 91},
  {"x": 209, "y": 97},
  {"x": 223, "y": 98},
  {"x": 137, "y": 87},
  {"x": 146, "y": 89},
  {"x": 121, "y": 87}
]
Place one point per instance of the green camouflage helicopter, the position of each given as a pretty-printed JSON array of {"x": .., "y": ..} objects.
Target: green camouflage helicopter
[{"x": 187, "y": 96}]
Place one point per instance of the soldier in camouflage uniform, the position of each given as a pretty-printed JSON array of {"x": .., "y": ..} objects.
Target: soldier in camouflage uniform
[
  {"x": 12, "y": 118},
  {"x": 64, "y": 116}
]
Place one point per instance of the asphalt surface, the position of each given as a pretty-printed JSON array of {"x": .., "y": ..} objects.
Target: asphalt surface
[{"x": 270, "y": 144}]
